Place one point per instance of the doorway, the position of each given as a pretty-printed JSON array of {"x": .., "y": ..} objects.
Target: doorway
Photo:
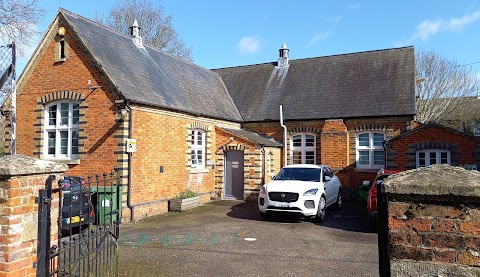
[{"x": 234, "y": 179}]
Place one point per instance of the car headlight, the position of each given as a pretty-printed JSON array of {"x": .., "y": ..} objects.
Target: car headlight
[
  {"x": 310, "y": 192},
  {"x": 262, "y": 190}
]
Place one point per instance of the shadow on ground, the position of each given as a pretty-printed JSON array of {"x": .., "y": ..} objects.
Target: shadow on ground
[{"x": 352, "y": 217}]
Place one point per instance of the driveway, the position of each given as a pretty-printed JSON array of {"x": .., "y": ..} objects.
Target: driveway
[{"x": 228, "y": 238}]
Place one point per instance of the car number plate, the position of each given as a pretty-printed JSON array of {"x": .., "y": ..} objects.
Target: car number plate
[
  {"x": 74, "y": 219},
  {"x": 282, "y": 205}
]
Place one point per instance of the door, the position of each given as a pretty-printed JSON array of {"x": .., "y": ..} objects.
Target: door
[
  {"x": 234, "y": 174},
  {"x": 330, "y": 187}
]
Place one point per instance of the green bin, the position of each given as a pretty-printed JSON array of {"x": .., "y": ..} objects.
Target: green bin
[
  {"x": 363, "y": 192},
  {"x": 107, "y": 202}
]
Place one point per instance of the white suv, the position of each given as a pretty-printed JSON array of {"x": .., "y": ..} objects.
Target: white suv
[{"x": 301, "y": 188}]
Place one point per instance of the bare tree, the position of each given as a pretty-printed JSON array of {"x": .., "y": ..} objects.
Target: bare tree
[
  {"x": 18, "y": 20},
  {"x": 157, "y": 28},
  {"x": 443, "y": 89}
]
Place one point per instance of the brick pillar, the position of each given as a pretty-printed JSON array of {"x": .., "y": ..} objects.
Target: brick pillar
[
  {"x": 334, "y": 144},
  {"x": 434, "y": 222},
  {"x": 20, "y": 179}
]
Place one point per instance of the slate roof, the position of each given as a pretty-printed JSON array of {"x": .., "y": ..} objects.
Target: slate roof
[
  {"x": 150, "y": 76},
  {"x": 253, "y": 137},
  {"x": 373, "y": 83}
]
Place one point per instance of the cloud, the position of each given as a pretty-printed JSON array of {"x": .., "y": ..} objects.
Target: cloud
[
  {"x": 333, "y": 19},
  {"x": 319, "y": 37},
  {"x": 249, "y": 45},
  {"x": 353, "y": 7},
  {"x": 429, "y": 28}
]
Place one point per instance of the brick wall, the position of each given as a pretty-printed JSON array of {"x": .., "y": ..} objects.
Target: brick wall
[
  {"x": 434, "y": 228},
  {"x": 434, "y": 232},
  {"x": 259, "y": 163},
  {"x": 19, "y": 213},
  {"x": 333, "y": 148},
  {"x": 48, "y": 80},
  {"x": 401, "y": 152},
  {"x": 335, "y": 144},
  {"x": 163, "y": 140}
]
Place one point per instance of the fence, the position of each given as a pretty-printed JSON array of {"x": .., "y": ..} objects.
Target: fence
[
  {"x": 84, "y": 240},
  {"x": 7, "y": 99}
]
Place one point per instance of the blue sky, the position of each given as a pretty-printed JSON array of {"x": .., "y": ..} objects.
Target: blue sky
[{"x": 227, "y": 33}]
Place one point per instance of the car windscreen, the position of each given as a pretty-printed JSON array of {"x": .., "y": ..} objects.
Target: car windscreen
[{"x": 300, "y": 174}]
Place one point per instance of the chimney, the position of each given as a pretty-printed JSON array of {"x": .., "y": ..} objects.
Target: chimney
[
  {"x": 135, "y": 33},
  {"x": 283, "y": 57}
]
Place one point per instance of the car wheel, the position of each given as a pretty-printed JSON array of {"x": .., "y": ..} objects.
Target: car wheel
[
  {"x": 339, "y": 202},
  {"x": 266, "y": 215},
  {"x": 320, "y": 217}
]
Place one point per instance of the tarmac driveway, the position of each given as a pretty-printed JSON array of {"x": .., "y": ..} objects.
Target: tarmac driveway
[{"x": 229, "y": 238}]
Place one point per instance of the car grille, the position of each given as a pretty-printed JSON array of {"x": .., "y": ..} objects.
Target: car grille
[{"x": 283, "y": 196}]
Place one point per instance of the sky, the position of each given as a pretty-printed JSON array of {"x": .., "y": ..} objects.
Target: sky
[{"x": 225, "y": 33}]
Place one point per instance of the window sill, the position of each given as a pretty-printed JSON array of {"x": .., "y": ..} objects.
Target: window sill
[
  {"x": 60, "y": 60},
  {"x": 199, "y": 170},
  {"x": 69, "y": 162}
]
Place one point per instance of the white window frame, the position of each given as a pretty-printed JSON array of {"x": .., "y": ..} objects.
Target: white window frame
[
  {"x": 70, "y": 127},
  {"x": 195, "y": 147},
  {"x": 476, "y": 129},
  {"x": 427, "y": 156},
  {"x": 303, "y": 148},
  {"x": 371, "y": 148}
]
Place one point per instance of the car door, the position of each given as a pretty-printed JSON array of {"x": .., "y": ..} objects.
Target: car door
[{"x": 330, "y": 187}]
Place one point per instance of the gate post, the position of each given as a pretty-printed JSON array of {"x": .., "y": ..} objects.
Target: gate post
[
  {"x": 433, "y": 219},
  {"x": 21, "y": 178}
]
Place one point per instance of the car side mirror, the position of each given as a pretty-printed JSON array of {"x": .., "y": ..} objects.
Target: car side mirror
[{"x": 327, "y": 178}]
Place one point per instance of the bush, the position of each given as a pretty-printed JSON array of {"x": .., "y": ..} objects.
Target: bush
[{"x": 188, "y": 193}]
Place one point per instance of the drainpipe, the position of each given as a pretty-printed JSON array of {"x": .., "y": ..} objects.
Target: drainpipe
[
  {"x": 284, "y": 135},
  {"x": 130, "y": 134},
  {"x": 385, "y": 151},
  {"x": 263, "y": 164}
]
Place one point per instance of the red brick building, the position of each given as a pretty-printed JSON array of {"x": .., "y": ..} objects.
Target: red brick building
[
  {"x": 432, "y": 144},
  {"x": 90, "y": 95}
]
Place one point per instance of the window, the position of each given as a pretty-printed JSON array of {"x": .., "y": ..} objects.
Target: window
[
  {"x": 61, "y": 131},
  {"x": 198, "y": 148},
  {"x": 303, "y": 149},
  {"x": 432, "y": 156},
  {"x": 370, "y": 153},
  {"x": 62, "y": 49},
  {"x": 327, "y": 172},
  {"x": 476, "y": 129}
]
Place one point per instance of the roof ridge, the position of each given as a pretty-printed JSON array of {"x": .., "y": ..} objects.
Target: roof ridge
[{"x": 323, "y": 57}]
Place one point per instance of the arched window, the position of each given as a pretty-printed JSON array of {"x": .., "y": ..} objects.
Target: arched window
[
  {"x": 370, "y": 152},
  {"x": 303, "y": 148},
  {"x": 61, "y": 130},
  {"x": 198, "y": 148}
]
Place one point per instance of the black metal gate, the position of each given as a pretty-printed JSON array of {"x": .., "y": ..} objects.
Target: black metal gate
[{"x": 83, "y": 240}]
